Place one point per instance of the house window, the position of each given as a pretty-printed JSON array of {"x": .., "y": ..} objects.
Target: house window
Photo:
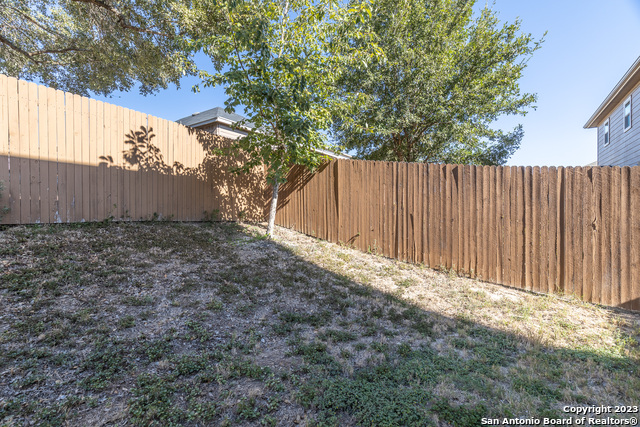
[
  {"x": 626, "y": 114},
  {"x": 605, "y": 131}
]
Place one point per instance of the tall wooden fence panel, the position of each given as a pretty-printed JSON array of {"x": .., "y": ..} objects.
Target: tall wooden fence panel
[
  {"x": 546, "y": 229},
  {"x": 67, "y": 158}
]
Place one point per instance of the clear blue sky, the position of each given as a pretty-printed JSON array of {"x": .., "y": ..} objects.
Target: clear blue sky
[{"x": 588, "y": 47}]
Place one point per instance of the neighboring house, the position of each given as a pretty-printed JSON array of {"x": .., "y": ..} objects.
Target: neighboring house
[
  {"x": 618, "y": 122},
  {"x": 219, "y": 122}
]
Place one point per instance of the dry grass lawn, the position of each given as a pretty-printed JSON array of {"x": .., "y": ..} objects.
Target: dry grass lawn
[{"x": 211, "y": 324}]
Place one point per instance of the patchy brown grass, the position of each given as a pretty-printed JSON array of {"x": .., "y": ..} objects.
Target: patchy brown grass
[{"x": 211, "y": 324}]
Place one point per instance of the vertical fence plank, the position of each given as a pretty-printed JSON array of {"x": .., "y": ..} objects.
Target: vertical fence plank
[
  {"x": 125, "y": 199},
  {"x": 101, "y": 161},
  {"x": 474, "y": 221},
  {"x": 410, "y": 180},
  {"x": 543, "y": 242},
  {"x": 153, "y": 167},
  {"x": 520, "y": 228},
  {"x": 23, "y": 152},
  {"x": 569, "y": 238},
  {"x": 34, "y": 155},
  {"x": 587, "y": 234},
  {"x": 615, "y": 241},
  {"x": 61, "y": 200},
  {"x": 77, "y": 158},
  {"x": 560, "y": 229},
  {"x": 535, "y": 228},
  {"x": 191, "y": 186},
  {"x": 170, "y": 179},
  {"x": 84, "y": 160},
  {"x": 460, "y": 217},
  {"x": 634, "y": 188},
  {"x": 93, "y": 160},
  {"x": 605, "y": 242},
  {"x": 141, "y": 197},
  {"x": 178, "y": 155},
  {"x": 146, "y": 183},
  {"x": 43, "y": 144},
  {"x": 625, "y": 249},
  {"x": 452, "y": 174},
  {"x": 497, "y": 250},
  {"x": 52, "y": 155},
  {"x": 173, "y": 188},
  {"x": 598, "y": 227},
  {"x": 431, "y": 206},
  {"x": 484, "y": 246},
  {"x": 4, "y": 145},
  {"x": 160, "y": 127},
  {"x": 13, "y": 186},
  {"x": 393, "y": 210},
  {"x": 493, "y": 231},
  {"x": 399, "y": 210},
  {"x": 108, "y": 159},
  {"x": 466, "y": 214},
  {"x": 506, "y": 212},
  {"x": 128, "y": 181},
  {"x": 577, "y": 254},
  {"x": 447, "y": 196},
  {"x": 199, "y": 195},
  {"x": 115, "y": 136},
  {"x": 121, "y": 132},
  {"x": 552, "y": 274},
  {"x": 424, "y": 213},
  {"x": 527, "y": 228}
]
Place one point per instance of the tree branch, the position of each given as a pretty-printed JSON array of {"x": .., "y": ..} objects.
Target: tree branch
[{"x": 122, "y": 20}]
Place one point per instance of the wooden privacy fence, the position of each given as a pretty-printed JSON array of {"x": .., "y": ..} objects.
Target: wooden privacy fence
[
  {"x": 67, "y": 158},
  {"x": 545, "y": 229}
]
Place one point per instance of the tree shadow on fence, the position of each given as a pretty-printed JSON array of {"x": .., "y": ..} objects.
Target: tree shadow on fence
[{"x": 213, "y": 183}]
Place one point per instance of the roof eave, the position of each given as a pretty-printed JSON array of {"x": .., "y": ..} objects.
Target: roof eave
[
  {"x": 627, "y": 83},
  {"x": 221, "y": 120}
]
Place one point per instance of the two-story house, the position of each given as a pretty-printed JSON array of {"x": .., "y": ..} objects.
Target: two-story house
[{"x": 615, "y": 118}]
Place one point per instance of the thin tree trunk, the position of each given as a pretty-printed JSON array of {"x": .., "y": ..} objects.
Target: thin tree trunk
[{"x": 272, "y": 211}]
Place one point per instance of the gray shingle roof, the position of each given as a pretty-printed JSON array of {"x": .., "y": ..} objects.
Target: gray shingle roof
[{"x": 210, "y": 116}]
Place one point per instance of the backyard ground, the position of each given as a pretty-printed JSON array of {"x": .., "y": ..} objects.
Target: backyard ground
[{"x": 211, "y": 324}]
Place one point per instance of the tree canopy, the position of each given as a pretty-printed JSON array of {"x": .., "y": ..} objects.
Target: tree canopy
[
  {"x": 446, "y": 75},
  {"x": 281, "y": 62},
  {"x": 93, "y": 45}
]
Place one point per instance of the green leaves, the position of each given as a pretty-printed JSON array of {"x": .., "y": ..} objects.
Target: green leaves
[
  {"x": 444, "y": 77},
  {"x": 99, "y": 46},
  {"x": 278, "y": 59}
]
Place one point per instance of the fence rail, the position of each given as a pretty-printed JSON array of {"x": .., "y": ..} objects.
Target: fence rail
[
  {"x": 67, "y": 158},
  {"x": 545, "y": 229}
]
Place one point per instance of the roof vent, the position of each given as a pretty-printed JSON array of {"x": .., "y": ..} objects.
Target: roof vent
[{"x": 195, "y": 114}]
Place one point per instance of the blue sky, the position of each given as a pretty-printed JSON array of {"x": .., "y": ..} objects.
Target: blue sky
[{"x": 588, "y": 47}]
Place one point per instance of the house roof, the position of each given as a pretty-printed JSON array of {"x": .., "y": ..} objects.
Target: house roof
[
  {"x": 629, "y": 81},
  {"x": 212, "y": 116},
  {"x": 218, "y": 115}
]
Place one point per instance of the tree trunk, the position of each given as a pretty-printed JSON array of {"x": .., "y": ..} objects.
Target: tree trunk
[{"x": 272, "y": 211}]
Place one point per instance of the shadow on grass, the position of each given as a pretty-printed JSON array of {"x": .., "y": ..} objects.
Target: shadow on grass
[{"x": 190, "y": 324}]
